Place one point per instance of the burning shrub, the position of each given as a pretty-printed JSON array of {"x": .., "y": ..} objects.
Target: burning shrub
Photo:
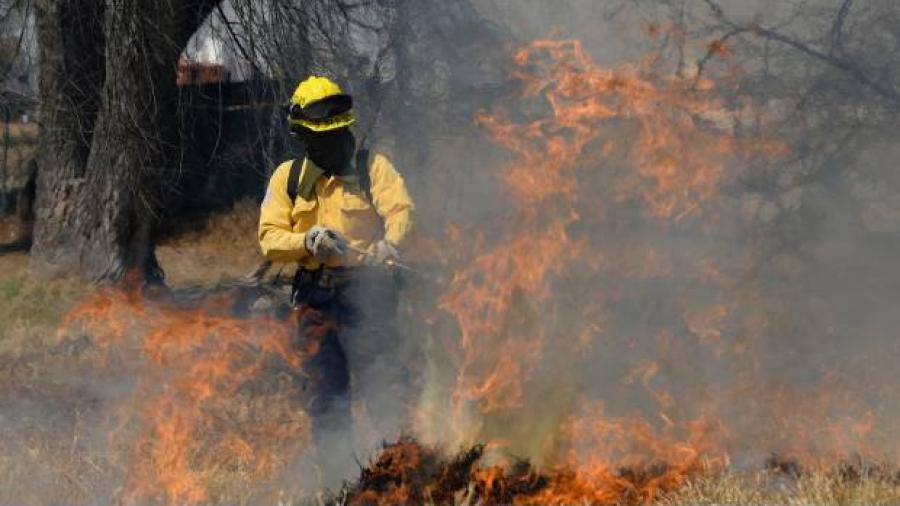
[{"x": 407, "y": 472}]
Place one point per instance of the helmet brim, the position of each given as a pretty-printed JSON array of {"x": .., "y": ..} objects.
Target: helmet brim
[
  {"x": 329, "y": 113},
  {"x": 327, "y": 124},
  {"x": 318, "y": 110}
]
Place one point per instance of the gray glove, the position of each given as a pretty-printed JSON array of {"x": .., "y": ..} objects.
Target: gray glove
[
  {"x": 383, "y": 252},
  {"x": 324, "y": 243}
]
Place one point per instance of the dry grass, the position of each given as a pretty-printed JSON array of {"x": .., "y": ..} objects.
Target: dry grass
[
  {"x": 10, "y": 229},
  {"x": 30, "y": 310},
  {"x": 49, "y": 453},
  {"x": 763, "y": 488},
  {"x": 41, "y": 414},
  {"x": 223, "y": 247},
  {"x": 16, "y": 150},
  {"x": 22, "y": 132}
]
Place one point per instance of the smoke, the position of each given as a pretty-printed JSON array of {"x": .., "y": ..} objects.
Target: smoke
[
  {"x": 652, "y": 245},
  {"x": 729, "y": 268}
]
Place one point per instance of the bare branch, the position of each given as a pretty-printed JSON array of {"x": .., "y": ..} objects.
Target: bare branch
[
  {"x": 841, "y": 63},
  {"x": 837, "y": 30}
]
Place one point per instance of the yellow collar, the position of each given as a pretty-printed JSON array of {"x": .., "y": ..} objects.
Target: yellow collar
[{"x": 311, "y": 173}]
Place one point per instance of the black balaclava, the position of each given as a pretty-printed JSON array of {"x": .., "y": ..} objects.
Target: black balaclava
[{"x": 332, "y": 151}]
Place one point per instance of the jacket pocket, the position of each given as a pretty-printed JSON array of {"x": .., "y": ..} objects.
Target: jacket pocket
[
  {"x": 353, "y": 202},
  {"x": 304, "y": 213},
  {"x": 358, "y": 217}
]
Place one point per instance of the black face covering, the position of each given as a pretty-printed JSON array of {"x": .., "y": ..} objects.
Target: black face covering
[{"x": 332, "y": 151}]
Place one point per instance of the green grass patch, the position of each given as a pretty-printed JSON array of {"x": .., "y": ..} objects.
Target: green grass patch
[{"x": 30, "y": 310}]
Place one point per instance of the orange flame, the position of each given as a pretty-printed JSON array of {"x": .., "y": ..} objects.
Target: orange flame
[
  {"x": 630, "y": 137},
  {"x": 209, "y": 403},
  {"x": 612, "y": 149}
]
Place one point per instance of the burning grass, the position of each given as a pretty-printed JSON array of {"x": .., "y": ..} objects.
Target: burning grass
[
  {"x": 50, "y": 451},
  {"x": 407, "y": 472},
  {"x": 584, "y": 335},
  {"x": 216, "y": 397}
]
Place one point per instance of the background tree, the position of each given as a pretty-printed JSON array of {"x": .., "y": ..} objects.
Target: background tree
[
  {"x": 419, "y": 71},
  {"x": 109, "y": 142},
  {"x": 114, "y": 148}
]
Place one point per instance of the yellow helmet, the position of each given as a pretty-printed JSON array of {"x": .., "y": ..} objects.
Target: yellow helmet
[{"x": 319, "y": 105}]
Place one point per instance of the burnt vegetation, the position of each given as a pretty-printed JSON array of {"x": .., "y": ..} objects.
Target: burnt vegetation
[{"x": 406, "y": 472}]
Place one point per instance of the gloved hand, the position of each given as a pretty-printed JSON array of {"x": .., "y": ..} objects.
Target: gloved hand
[
  {"x": 324, "y": 243},
  {"x": 382, "y": 252}
]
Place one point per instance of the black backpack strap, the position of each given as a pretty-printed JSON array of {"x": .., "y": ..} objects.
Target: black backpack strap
[
  {"x": 362, "y": 171},
  {"x": 294, "y": 178}
]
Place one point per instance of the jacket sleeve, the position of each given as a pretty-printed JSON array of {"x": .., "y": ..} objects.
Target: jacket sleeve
[
  {"x": 277, "y": 238},
  {"x": 391, "y": 200}
]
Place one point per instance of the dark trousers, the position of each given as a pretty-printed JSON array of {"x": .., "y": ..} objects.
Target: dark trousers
[{"x": 353, "y": 325}]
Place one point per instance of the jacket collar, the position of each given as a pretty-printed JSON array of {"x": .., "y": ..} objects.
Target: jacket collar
[{"x": 311, "y": 173}]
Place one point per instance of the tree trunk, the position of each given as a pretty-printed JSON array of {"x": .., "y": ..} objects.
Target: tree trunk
[
  {"x": 71, "y": 72},
  {"x": 109, "y": 140}
]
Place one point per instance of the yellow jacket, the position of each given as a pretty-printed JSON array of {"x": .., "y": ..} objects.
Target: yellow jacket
[{"x": 336, "y": 202}]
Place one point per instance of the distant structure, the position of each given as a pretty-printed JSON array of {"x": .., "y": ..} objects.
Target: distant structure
[
  {"x": 207, "y": 59},
  {"x": 199, "y": 72},
  {"x": 232, "y": 126}
]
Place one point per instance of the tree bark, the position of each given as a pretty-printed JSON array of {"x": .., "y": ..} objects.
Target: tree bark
[
  {"x": 71, "y": 71},
  {"x": 109, "y": 144}
]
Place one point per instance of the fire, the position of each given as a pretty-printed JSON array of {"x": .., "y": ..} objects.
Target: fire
[
  {"x": 605, "y": 347},
  {"x": 678, "y": 146},
  {"x": 410, "y": 473},
  {"x": 215, "y": 398},
  {"x": 614, "y": 151}
]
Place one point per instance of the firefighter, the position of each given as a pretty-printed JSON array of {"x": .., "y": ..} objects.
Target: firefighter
[{"x": 342, "y": 215}]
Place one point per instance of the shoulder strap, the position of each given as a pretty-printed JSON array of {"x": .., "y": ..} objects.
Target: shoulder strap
[
  {"x": 362, "y": 171},
  {"x": 294, "y": 178},
  {"x": 293, "y": 186}
]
